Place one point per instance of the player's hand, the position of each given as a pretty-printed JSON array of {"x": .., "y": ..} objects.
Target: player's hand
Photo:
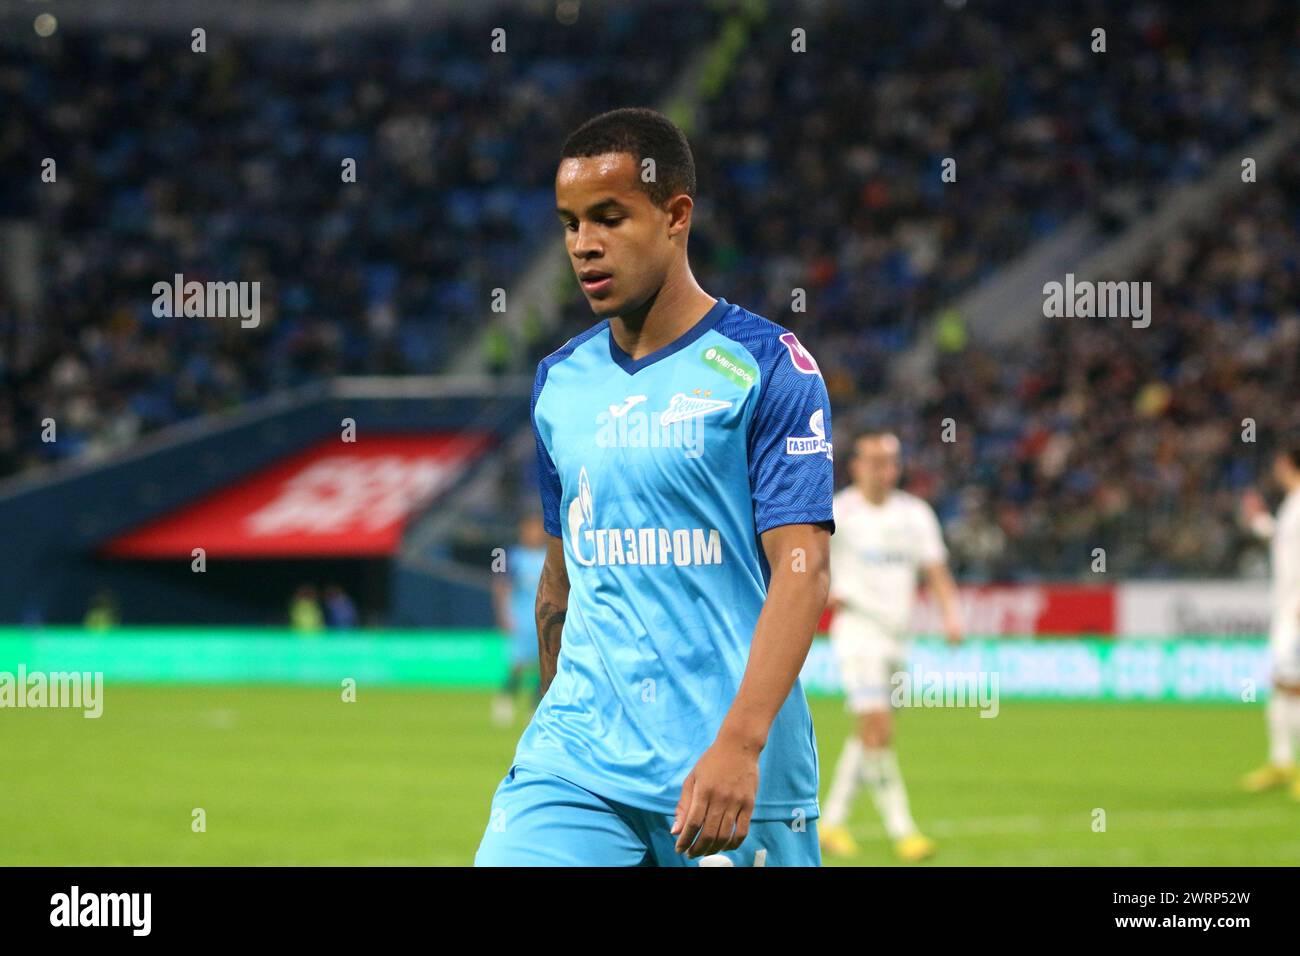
[
  {"x": 717, "y": 800},
  {"x": 1252, "y": 505}
]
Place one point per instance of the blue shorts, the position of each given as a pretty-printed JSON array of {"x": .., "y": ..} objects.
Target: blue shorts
[{"x": 539, "y": 819}]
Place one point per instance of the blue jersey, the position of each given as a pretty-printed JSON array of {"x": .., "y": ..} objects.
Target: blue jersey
[
  {"x": 660, "y": 474},
  {"x": 525, "y": 568}
]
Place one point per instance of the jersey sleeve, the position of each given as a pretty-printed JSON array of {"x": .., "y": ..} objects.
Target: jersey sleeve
[
  {"x": 548, "y": 478},
  {"x": 791, "y": 474},
  {"x": 930, "y": 546}
]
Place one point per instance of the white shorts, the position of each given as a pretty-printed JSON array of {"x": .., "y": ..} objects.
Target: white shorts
[
  {"x": 868, "y": 656},
  {"x": 1284, "y": 648}
]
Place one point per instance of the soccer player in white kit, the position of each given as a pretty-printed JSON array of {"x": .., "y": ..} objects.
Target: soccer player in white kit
[
  {"x": 1283, "y": 709},
  {"x": 884, "y": 537}
]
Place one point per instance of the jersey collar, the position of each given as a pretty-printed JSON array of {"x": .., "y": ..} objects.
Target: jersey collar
[{"x": 632, "y": 366}]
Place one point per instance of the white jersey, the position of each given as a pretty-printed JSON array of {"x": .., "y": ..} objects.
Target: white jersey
[
  {"x": 1285, "y": 553},
  {"x": 876, "y": 551}
]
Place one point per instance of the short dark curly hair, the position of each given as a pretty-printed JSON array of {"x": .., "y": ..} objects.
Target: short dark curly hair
[{"x": 645, "y": 134}]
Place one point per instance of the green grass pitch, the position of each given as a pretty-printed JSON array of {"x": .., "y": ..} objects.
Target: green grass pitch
[{"x": 295, "y": 776}]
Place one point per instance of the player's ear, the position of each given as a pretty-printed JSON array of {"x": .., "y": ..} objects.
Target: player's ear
[{"x": 679, "y": 213}]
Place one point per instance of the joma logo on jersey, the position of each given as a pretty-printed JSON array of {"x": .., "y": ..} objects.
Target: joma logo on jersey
[{"x": 592, "y": 546}]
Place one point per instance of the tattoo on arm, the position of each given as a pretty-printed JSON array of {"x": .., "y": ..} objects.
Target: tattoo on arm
[
  {"x": 552, "y": 606},
  {"x": 550, "y": 625}
]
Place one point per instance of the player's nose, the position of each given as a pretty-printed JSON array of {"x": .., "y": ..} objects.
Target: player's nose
[{"x": 584, "y": 242}]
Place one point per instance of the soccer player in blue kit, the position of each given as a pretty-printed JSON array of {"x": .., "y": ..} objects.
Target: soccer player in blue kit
[
  {"x": 514, "y": 596},
  {"x": 686, "y": 483}
]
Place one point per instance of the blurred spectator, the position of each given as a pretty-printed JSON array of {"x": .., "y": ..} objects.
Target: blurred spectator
[
  {"x": 102, "y": 614},
  {"x": 340, "y": 610},
  {"x": 305, "y": 615}
]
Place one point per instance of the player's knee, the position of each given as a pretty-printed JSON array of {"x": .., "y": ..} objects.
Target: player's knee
[{"x": 875, "y": 729}]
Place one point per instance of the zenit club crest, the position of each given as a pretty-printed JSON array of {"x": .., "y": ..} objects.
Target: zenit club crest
[{"x": 682, "y": 406}]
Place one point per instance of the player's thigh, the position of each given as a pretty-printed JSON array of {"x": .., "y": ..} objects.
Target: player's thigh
[
  {"x": 1284, "y": 651},
  {"x": 790, "y": 842},
  {"x": 867, "y": 659},
  {"x": 876, "y": 725},
  {"x": 538, "y": 819}
]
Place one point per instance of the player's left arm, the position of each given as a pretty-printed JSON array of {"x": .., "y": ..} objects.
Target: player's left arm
[
  {"x": 933, "y": 559},
  {"x": 939, "y": 579},
  {"x": 791, "y": 482},
  {"x": 718, "y": 797}
]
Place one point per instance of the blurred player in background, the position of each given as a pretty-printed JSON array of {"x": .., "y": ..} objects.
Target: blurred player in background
[
  {"x": 1283, "y": 533},
  {"x": 884, "y": 537},
  {"x": 514, "y": 598}
]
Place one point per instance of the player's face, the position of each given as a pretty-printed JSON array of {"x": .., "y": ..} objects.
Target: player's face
[
  {"x": 618, "y": 240},
  {"x": 875, "y": 467}
]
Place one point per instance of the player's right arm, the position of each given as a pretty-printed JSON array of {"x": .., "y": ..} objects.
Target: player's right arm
[
  {"x": 552, "y": 606},
  {"x": 553, "y": 587},
  {"x": 939, "y": 579}
]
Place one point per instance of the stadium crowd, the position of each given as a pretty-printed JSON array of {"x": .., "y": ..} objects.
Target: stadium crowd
[
  {"x": 847, "y": 200},
  {"x": 1140, "y": 441},
  {"x": 228, "y": 165}
]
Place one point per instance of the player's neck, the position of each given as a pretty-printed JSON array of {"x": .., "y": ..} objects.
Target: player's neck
[
  {"x": 877, "y": 499},
  {"x": 678, "y": 305}
]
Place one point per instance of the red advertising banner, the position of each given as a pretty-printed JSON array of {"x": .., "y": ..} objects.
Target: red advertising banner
[
  {"x": 1017, "y": 610},
  {"x": 336, "y": 499}
]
